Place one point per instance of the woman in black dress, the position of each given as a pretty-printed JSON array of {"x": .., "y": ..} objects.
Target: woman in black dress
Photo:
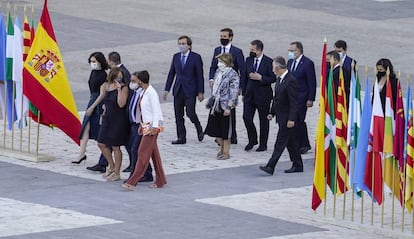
[
  {"x": 115, "y": 123},
  {"x": 90, "y": 124},
  {"x": 382, "y": 65}
]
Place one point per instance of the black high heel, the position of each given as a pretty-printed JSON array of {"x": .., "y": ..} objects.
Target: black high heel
[{"x": 80, "y": 160}]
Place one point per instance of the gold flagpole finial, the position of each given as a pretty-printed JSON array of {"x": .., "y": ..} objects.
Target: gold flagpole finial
[
  {"x": 25, "y": 10},
  {"x": 325, "y": 40},
  {"x": 8, "y": 7},
  {"x": 332, "y": 62},
  {"x": 32, "y": 11},
  {"x": 15, "y": 10}
]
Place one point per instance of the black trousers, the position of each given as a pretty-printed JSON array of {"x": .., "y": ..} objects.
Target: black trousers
[
  {"x": 248, "y": 115},
  {"x": 187, "y": 104},
  {"x": 286, "y": 138},
  {"x": 302, "y": 129}
]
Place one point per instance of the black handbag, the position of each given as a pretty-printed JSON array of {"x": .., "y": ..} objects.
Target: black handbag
[{"x": 210, "y": 102}]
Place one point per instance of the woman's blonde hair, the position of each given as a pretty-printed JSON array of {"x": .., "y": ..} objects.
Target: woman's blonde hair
[{"x": 226, "y": 58}]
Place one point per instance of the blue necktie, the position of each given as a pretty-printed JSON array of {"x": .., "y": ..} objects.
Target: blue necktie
[
  {"x": 255, "y": 65},
  {"x": 132, "y": 107},
  {"x": 293, "y": 66},
  {"x": 182, "y": 61},
  {"x": 223, "y": 50}
]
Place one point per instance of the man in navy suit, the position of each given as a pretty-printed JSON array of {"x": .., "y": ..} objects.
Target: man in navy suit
[
  {"x": 341, "y": 47},
  {"x": 257, "y": 92},
  {"x": 285, "y": 109},
  {"x": 187, "y": 70},
  {"x": 303, "y": 70},
  {"x": 226, "y": 38}
]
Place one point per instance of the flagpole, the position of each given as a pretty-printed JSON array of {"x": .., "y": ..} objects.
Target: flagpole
[
  {"x": 37, "y": 134},
  {"x": 403, "y": 176},
  {"x": 336, "y": 160},
  {"x": 362, "y": 192},
  {"x": 412, "y": 211}
]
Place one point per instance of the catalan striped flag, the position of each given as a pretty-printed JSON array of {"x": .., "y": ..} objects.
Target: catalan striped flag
[
  {"x": 409, "y": 180},
  {"x": 46, "y": 84},
  {"x": 318, "y": 192},
  {"x": 341, "y": 121}
]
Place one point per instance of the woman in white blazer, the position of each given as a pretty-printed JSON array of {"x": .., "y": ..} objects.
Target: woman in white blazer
[{"x": 151, "y": 125}]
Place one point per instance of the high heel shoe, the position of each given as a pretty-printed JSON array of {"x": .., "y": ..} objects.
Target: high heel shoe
[{"x": 80, "y": 160}]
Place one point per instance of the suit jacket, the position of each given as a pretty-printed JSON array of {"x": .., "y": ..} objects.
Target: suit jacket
[
  {"x": 306, "y": 79},
  {"x": 284, "y": 105},
  {"x": 259, "y": 91},
  {"x": 127, "y": 75},
  {"x": 190, "y": 78},
  {"x": 238, "y": 62}
]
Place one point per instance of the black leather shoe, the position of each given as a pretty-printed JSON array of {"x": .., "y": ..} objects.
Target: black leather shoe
[
  {"x": 249, "y": 146},
  {"x": 261, "y": 148},
  {"x": 200, "y": 135},
  {"x": 178, "y": 141},
  {"x": 146, "y": 179},
  {"x": 127, "y": 170},
  {"x": 305, "y": 149},
  {"x": 294, "y": 170},
  {"x": 97, "y": 168},
  {"x": 268, "y": 170},
  {"x": 233, "y": 141}
]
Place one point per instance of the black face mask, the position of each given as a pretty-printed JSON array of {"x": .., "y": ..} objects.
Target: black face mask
[
  {"x": 224, "y": 42},
  {"x": 380, "y": 74},
  {"x": 253, "y": 54}
]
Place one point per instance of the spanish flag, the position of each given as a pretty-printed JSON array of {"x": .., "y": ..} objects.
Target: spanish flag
[{"x": 46, "y": 84}]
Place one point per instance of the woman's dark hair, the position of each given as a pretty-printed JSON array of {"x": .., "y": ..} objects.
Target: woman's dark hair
[
  {"x": 143, "y": 76},
  {"x": 386, "y": 64},
  {"x": 99, "y": 56}
]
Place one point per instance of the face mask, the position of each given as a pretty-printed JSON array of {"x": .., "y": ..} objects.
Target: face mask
[
  {"x": 291, "y": 55},
  {"x": 133, "y": 85},
  {"x": 224, "y": 42},
  {"x": 182, "y": 48},
  {"x": 380, "y": 74},
  {"x": 94, "y": 65},
  {"x": 221, "y": 66},
  {"x": 341, "y": 55},
  {"x": 252, "y": 54}
]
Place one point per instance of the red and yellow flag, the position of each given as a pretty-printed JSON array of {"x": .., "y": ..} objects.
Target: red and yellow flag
[
  {"x": 46, "y": 83},
  {"x": 319, "y": 174},
  {"x": 409, "y": 185},
  {"x": 341, "y": 119}
]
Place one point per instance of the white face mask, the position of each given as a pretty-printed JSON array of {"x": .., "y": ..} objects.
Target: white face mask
[
  {"x": 133, "y": 85},
  {"x": 221, "y": 66},
  {"x": 94, "y": 65}
]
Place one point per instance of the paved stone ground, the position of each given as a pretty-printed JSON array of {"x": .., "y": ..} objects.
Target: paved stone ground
[{"x": 204, "y": 197}]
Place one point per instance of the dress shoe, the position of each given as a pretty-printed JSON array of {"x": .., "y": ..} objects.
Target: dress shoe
[
  {"x": 261, "y": 148},
  {"x": 97, "y": 168},
  {"x": 80, "y": 160},
  {"x": 200, "y": 135},
  {"x": 233, "y": 141},
  {"x": 146, "y": 179},
  {"x": 268, "y": 170},
  {"x": 127, "y": 170},
  {"x": 294, "y": 170},
  {"x": 249, "y": 146},
  {"x": 179, "y": 141},
  {"x": 305, "y": 149}
]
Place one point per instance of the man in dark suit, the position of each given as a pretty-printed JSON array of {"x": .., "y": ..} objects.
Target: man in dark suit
[
  {"x": 257, "y": 92},
  {"x": 334, "y": 61},
  {"x": 226, "y": 38},
  {"x": 114, "y": 60},
  {"x": 187, "y": 70},
  {"x": 284, "y": 107},
  {"x": 341, "y": 47},
  {"x": 303, "y": 70}
]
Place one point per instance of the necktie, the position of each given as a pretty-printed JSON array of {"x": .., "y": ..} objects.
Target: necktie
[
  {"x": 293, "y": 66},
  {"x": 256, "y": 65},
  {"x": 182, "y": 61},
  {"x": 132, "y": 107},
  {"x": 223, "y": 49}
]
